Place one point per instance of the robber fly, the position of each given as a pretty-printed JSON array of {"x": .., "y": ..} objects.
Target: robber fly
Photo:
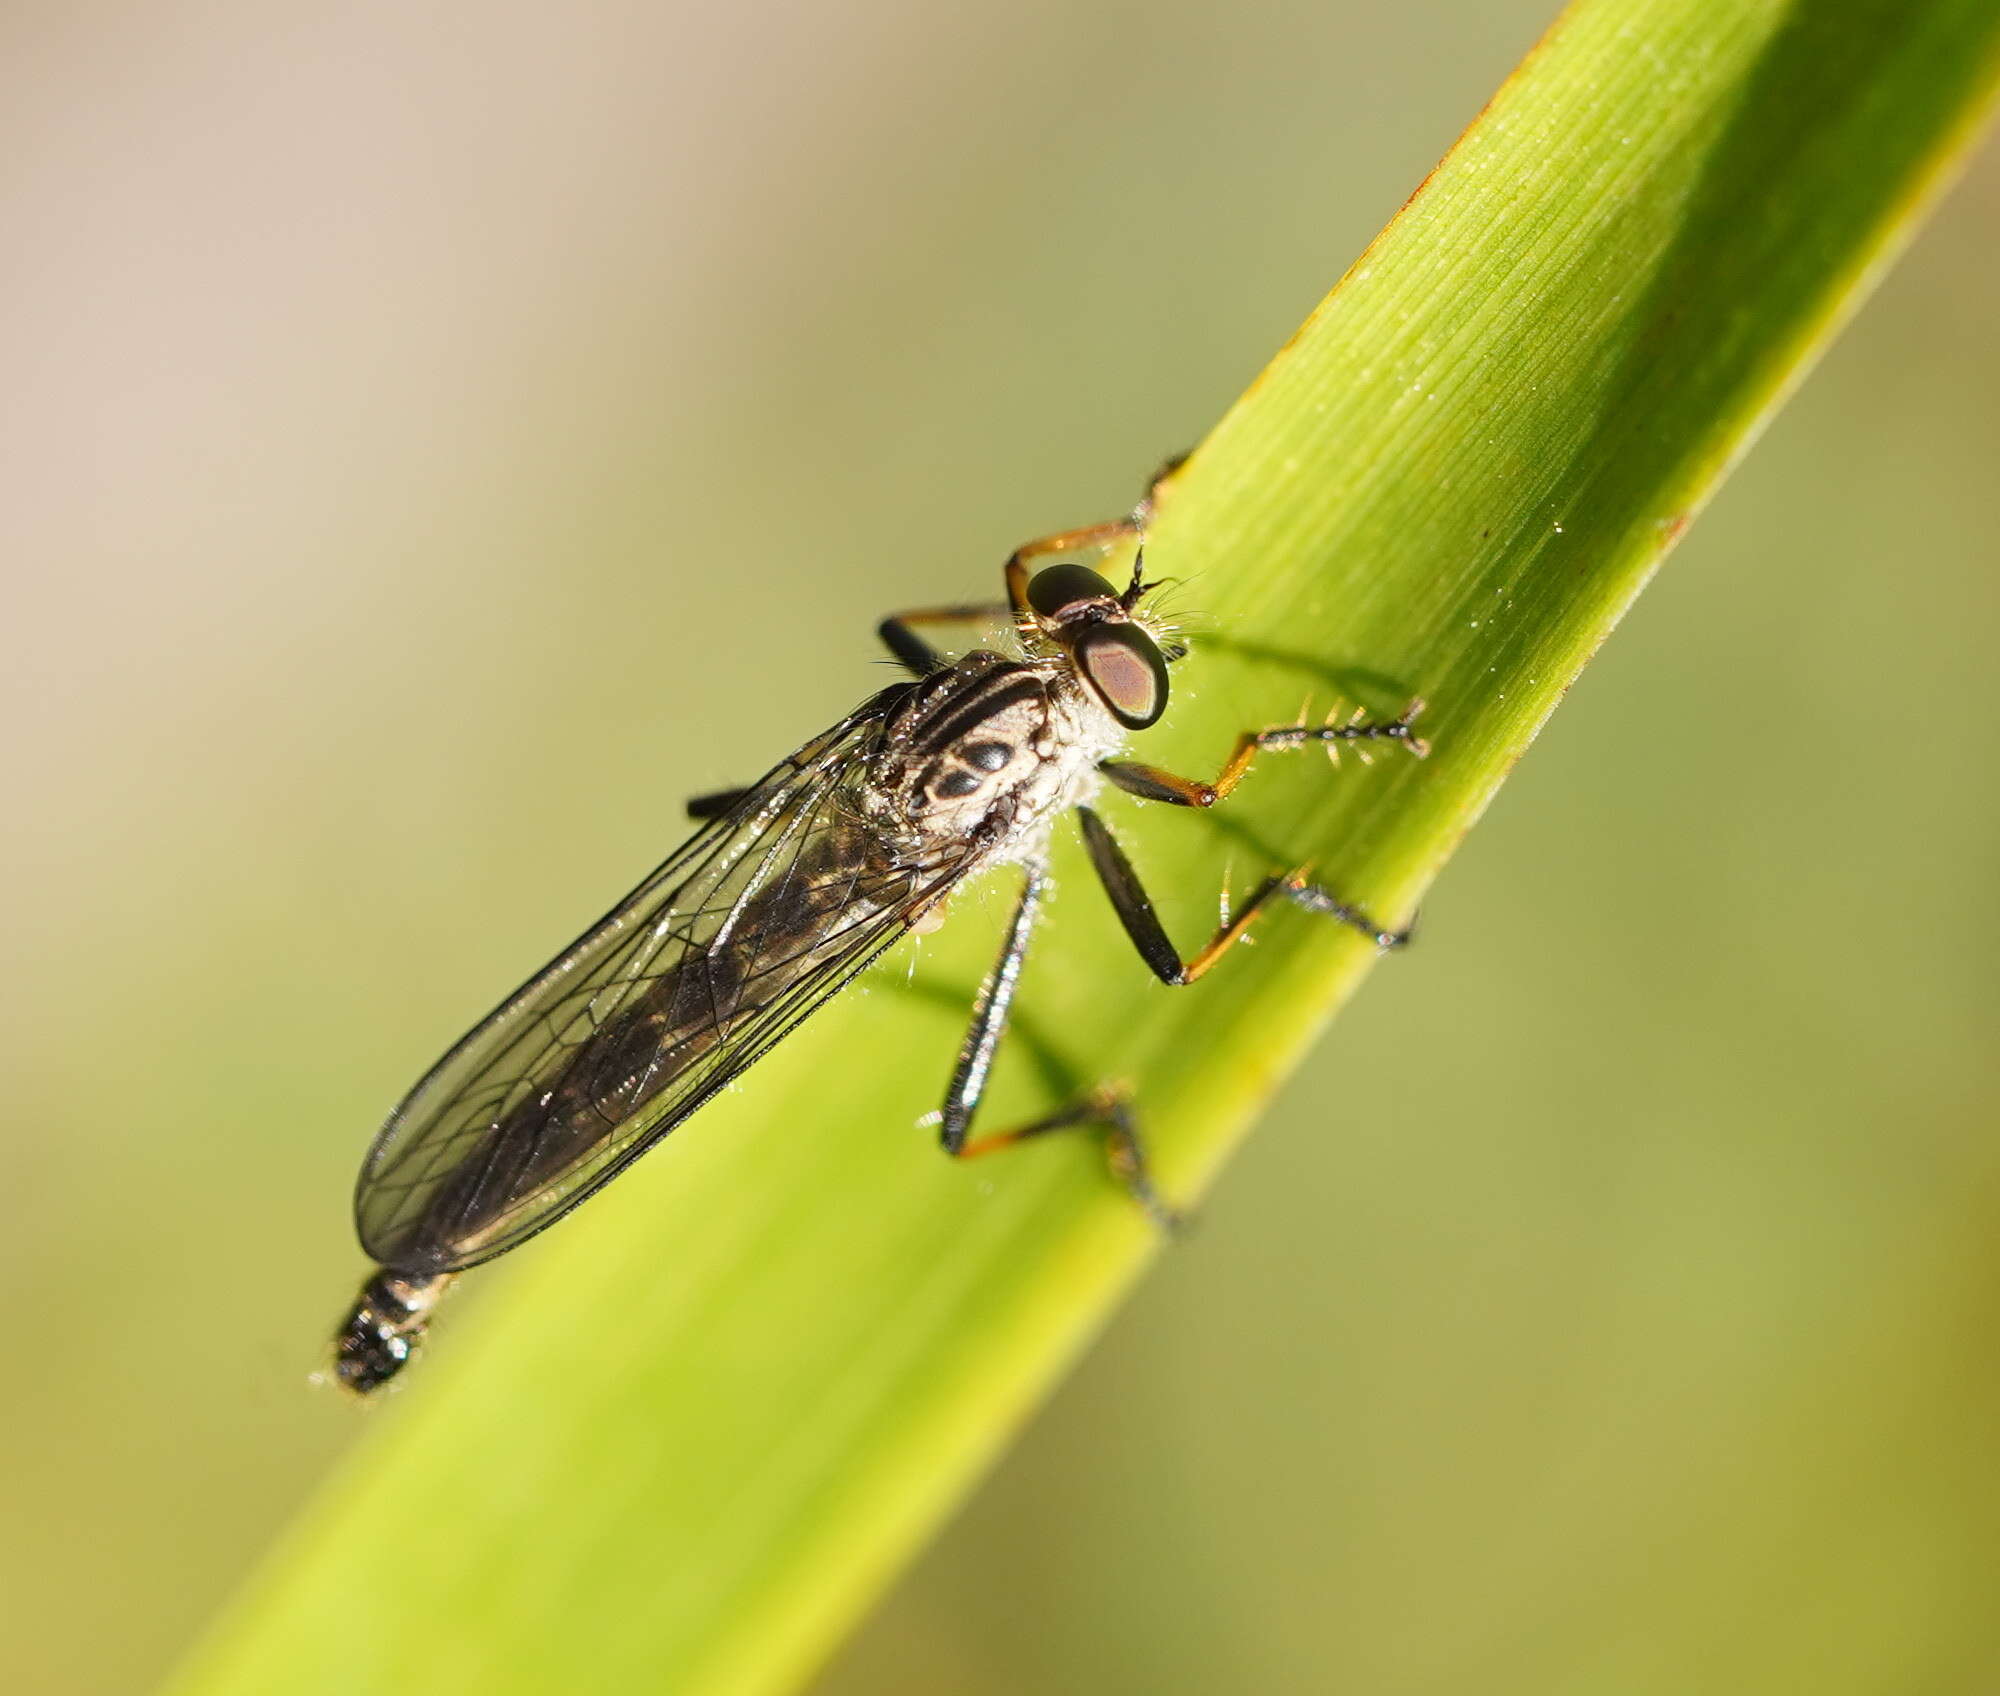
[{"x": 787, "y": 890}]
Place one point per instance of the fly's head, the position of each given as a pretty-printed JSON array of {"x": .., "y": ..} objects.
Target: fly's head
[{"x": 1109, "y": 647}]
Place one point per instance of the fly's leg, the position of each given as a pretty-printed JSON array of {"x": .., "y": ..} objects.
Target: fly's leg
[
  {"x": 1104, "y": 1109},
  {"x": 1328, "y": 905},
  {"x": 1136, "y": 913},
  {"x": 1150, "y": 783},
  {"x": 989, "y": 1019},
  {"x": 1107, "y": 1109},
  {"x": 715, "y": 805},
  {"x": 1092, "y": 538},
  {"x": 899, "y": 634},
  {"x": 899, "y": 631}
]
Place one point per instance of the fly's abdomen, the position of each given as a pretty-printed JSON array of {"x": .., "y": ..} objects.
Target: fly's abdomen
[
  {"x": 382, "y": 1332},
  {"x": 740, "y": 935},
  {"x": 618, "y": 1071}
]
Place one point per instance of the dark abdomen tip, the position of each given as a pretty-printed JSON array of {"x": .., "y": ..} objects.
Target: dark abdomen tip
[{"x": 381, "y": 1335}]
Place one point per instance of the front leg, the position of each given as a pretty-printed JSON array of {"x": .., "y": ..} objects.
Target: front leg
[
  {"x": 1094, "y": 538},
  {"x": 899, "y": 632},
  {"x": 713, "y": 806},
  {"x": 1150, "y": 783}
]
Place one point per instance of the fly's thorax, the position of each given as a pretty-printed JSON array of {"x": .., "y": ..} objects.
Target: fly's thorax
[{"x": 990, "y": 749}]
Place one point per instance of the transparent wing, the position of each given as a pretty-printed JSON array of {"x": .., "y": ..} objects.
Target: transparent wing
[{"x": 755, "y": 922}]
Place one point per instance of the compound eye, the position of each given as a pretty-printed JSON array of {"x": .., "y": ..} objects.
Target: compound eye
[
  {"x": 1126, "y": 669},
  {"x": 1063, "y": 591}
]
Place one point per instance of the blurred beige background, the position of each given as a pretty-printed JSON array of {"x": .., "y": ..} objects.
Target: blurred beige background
[{"x": 436, "y": 443}]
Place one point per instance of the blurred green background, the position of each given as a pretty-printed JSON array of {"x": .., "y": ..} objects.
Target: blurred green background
[{"x": 438, "y": 444}]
